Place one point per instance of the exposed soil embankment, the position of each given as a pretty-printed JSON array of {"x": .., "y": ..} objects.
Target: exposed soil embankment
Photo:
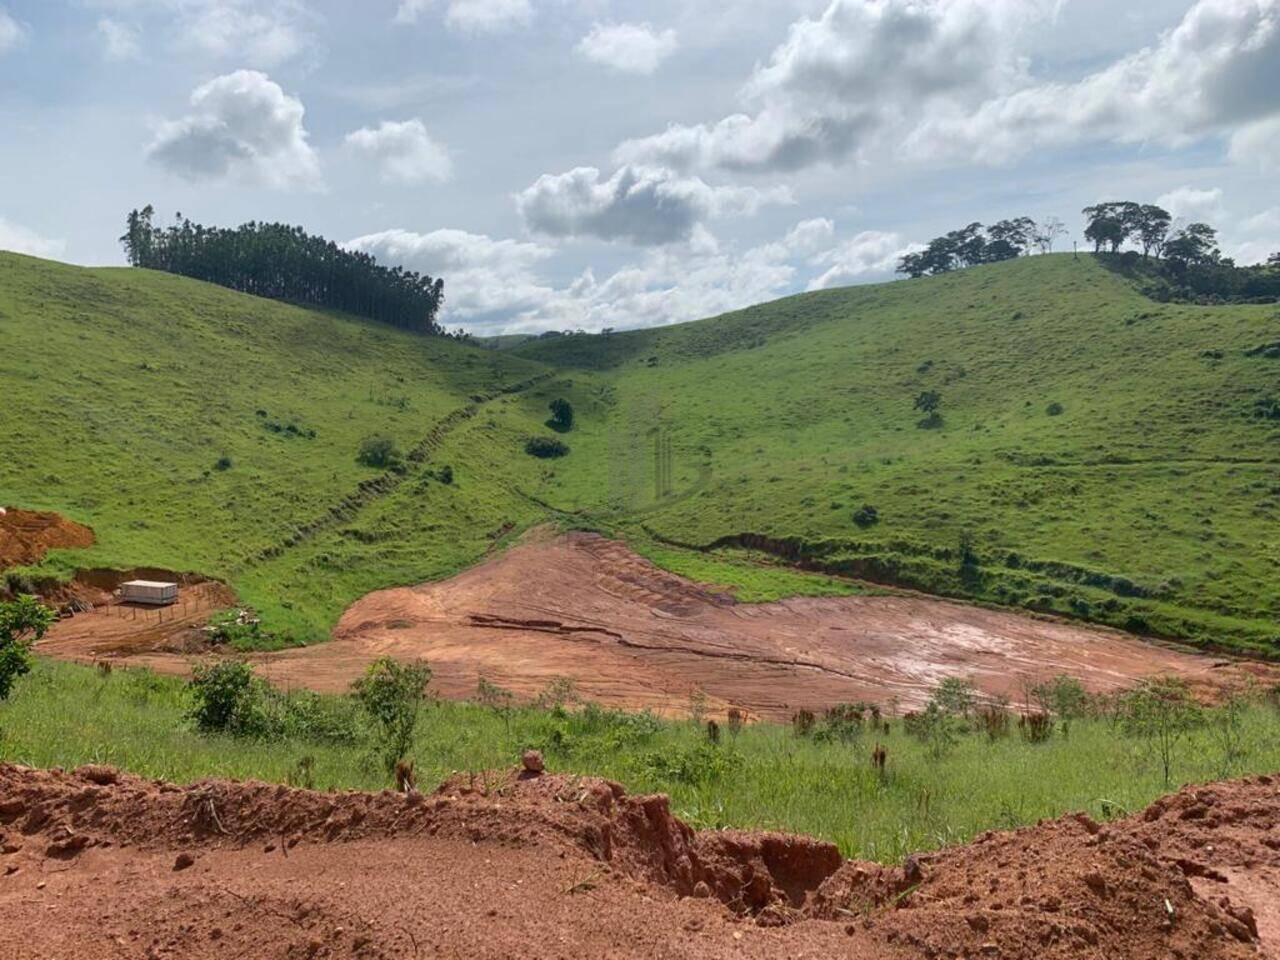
[
  {"x": 27, "y": 535},
  {"x": 632, "y": 635},
  {"x": 97, "y": 863}
]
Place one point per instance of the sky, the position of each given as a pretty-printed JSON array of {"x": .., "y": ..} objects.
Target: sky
[{"x": 585, "y": 164}]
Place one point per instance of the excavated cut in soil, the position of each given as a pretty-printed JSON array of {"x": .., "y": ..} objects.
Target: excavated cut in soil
[
  {"x": 631, "y": 635},
  {"x": 27, "y": 535},
  {"x": 98, "y": 863}
]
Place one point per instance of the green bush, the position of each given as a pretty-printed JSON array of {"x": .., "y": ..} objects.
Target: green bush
[
  {"x": 391, "y": 693},
  {"x": 381, "y": 453},
  {"x": 22, "y": 623},
  {"x": 1054, "y": 409},
  {"x": 545, "y": 447},
  {"x": 228, "y": 698},
  {"x": 223, "y": 463},
  {"x": 561, "y": 416},
  {"x": 866, "y": 516}
]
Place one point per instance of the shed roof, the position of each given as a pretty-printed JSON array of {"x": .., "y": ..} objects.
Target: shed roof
[{"x": 147, "y": 583}]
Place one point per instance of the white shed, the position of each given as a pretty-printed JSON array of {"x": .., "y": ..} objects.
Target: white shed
[{"x": 149, "y": 591}]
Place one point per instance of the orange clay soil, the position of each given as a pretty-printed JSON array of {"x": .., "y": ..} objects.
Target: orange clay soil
[
  {"x": 98, "y": 864},
  {"x": 632, "y": 635},
  {"x": 27, "y": 535}
]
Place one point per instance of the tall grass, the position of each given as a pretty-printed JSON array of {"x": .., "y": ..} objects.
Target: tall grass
[{"x": 765, "y": 777}]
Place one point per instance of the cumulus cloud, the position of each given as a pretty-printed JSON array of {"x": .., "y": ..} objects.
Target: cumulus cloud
[
  {"x": 119, "y": 40},
  {"x": 19, "y": 239},
  {"x": 1258, "y": 144},
  {"x": 1217, "y": 70},
  {"x": 13, "y": 33},
  {"x": 1193, "y": 203},
  {"x": 645, "y": 206},
  {"x": 496, "y": 285},
  {"x": 477, "y": 16},
  {"x": 841, "y": 80},
  {"x": 403, "y": 152},
  {"x": 627, "y": 47},
  {"x": 484, "y": 278},
  {"x": 241, "y": 124},
  {"x": 871, "y": 253}
]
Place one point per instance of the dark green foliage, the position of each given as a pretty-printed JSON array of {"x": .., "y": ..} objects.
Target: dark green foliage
[
  {"x": 975, "y": 244},
  {"x": 228, "y": 698},
  {"x": 1063, "y": 697},
  {"x": 1054, "y": 409},
  {"x": 928, "y": 403},
  {"x": 222, "y": 463},
  {"x": 561, "y": 415},
  {"x": 285, "y": 263},
  {"x": 391, "y": 693},
  {"x": 866, "y": 516},
  {"x": 380, "y": 453},
  {"x": 22, "y": 623},
  {"x": 545, "y": 448}
]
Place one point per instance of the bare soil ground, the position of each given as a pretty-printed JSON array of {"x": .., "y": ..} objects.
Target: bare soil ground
[
  {"x": 631, "y": 635},
  {"x": 95, "y": 863},
  {"x": 27, "y": 535}
]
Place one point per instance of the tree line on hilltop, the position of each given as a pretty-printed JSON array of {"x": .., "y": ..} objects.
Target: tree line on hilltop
[
  {"x": 1176, "y": 261},
  {"x": 284, "y": 262}
]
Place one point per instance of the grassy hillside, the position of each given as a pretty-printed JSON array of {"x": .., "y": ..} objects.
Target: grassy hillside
[
  {"x": 198, "y": 429},
  {"x": 1100, "y": 454}
]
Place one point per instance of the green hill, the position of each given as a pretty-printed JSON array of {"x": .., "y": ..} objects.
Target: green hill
[{"x": 1099, "y": 454}]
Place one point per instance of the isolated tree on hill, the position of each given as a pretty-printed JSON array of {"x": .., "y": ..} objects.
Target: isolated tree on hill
[
  {"x": 561, "y": 415},
  {"x": 1273, "y": 261},
  {"x": 1047, "y": 231}
]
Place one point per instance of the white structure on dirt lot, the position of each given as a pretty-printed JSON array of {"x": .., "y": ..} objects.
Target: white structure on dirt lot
[{"x": 149, "y": 591}]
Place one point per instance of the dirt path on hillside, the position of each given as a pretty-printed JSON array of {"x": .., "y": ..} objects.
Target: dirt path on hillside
[
  {"x": 95, "y": 864},
  {"x": 632, "y": 635}
]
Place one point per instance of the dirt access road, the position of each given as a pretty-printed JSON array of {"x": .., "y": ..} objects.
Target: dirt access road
[
  {"x": 632, "y": 635},
  {"x": 98, "y": 864}
]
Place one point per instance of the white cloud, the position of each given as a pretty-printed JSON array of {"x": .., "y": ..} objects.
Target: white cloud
[
  {"x": 403, "y": 152},
  {"x": 476, "y": 16},
  {"x": 645, "y": 206},
  {"x": 484, "y": 278},
  {"x": 119, "y": 40},
  {"x": 628, "y": 47},
  {"x": 242, "y": 124},
  {"x": 843, "y": 79},
  {"x": 871, "y": 253},
  {"x": 1267, "y": 221},
  {"x": 21, "y": 240},
  {"x": 1217, "y": 70},
  {"x": 1194, "y": 203},
  {"x": 261, "y": 33},
  {"x": 13, "y": 33},
  {"x": 1257, "y": 144}
]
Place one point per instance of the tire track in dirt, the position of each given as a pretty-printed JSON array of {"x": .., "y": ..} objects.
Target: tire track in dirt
[{"x": 367, "y": 491}]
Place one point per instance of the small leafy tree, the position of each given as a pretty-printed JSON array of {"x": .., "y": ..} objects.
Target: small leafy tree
[
  {"x": 391, "y": 692},
  {"x": 545, "y": 448},
  {"x": 1162, "y": 712},
  {"x": 1064, "y": 697},
  {"x": 955, "y": 696},
  {"x": 497, "y": 698},
  {"x": 228, "y": 698},
  {"x": 929, "y": 403},
  {"x": 1226, "y": 726},
  {"x": 561, "y": 415},
  {"x": 380, "y": 453},
  {"x": 22, "y": 623}
]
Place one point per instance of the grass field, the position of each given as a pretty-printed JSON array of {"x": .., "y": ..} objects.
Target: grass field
[
  {"x": 765, "y": 777},
  {"x": 1099, "y": 455}
]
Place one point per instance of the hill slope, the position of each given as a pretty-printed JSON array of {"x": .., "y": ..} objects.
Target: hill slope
[
  {"x": 1100, "y": 454},
  {"x": 197, "y": 429}
]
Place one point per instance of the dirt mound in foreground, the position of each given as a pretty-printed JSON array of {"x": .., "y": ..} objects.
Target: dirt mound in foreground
[
  {"x": 98, "y": 863},
  {"x": 27, "y": 535}
]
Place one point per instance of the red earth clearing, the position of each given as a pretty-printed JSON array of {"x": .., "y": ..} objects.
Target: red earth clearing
[
  {"x": 631, "y": 635},
  {"x": 98, "y": 864},
  {"x": 27, "y": 535}
]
